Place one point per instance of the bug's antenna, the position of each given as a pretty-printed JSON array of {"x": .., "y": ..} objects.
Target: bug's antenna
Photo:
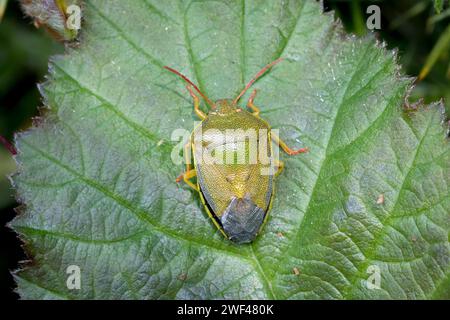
[
  {"x": 259, "y": 74},
  {"x": 209, "y": 102}
]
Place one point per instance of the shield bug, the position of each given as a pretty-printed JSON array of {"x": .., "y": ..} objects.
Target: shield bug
[{"x": 237, "y": 195}]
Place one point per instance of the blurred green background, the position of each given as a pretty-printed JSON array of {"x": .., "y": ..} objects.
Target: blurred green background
[
  {"x": 415, "y": 27},
  {"x": 24, "y": 53}
]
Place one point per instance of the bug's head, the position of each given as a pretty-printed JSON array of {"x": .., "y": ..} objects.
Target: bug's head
[{"x": 224, "y": 106}]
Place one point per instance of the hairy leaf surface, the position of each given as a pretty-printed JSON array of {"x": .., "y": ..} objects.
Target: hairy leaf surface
[{"x": 98, "y": 184}]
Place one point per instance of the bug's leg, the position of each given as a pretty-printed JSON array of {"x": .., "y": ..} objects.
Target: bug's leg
[
  {"x": 187, "y": 176},
  {"x": 250, "y": 104},
  {"x": 285, "y": 148},
  {"x": 190, "y": 173},
  {"x": 197, "y": 110},
  {"x": 280, "y": 165},
  {"x": 187, "y": 155}
]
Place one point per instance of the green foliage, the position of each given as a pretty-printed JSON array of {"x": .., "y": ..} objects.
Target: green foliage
[
  {"x": 23, "y": 58},
  {"x": 441, "y": 48},
  {"x": 98, "y": 182},
  {"x": 3, "y": 4},
  {"x": 438, "y": 5}
]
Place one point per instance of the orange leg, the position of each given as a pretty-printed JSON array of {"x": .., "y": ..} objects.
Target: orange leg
[
  {"x": 250, "y": 104},
  {"x": 280, "y": 166},
  {"x": 285, "y": 148},
  {"x": 197, "y": 110},
  {"x": 190, "y": 173},
  {"x": 187, "y": 176}
]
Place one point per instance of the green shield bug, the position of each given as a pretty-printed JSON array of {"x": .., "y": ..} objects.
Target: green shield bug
[{"x": 236, "y": 192}]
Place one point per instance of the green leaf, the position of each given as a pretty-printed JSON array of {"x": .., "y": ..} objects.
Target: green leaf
[
  {"x": 439, "y": 49},
  {"x": 438, "y": 6},
  {"x": 97, "y": 179},
  {"x": 3, "y": 4},
  {"x": 7, "y": 166}
]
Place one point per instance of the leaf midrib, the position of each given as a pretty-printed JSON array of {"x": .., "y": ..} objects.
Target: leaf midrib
[
  {"x": 142, "y": 215},
  {"x": 323, "y": 161},
  {"x": 386, "y": 222},
  {"x": 139, "y": 213}
]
